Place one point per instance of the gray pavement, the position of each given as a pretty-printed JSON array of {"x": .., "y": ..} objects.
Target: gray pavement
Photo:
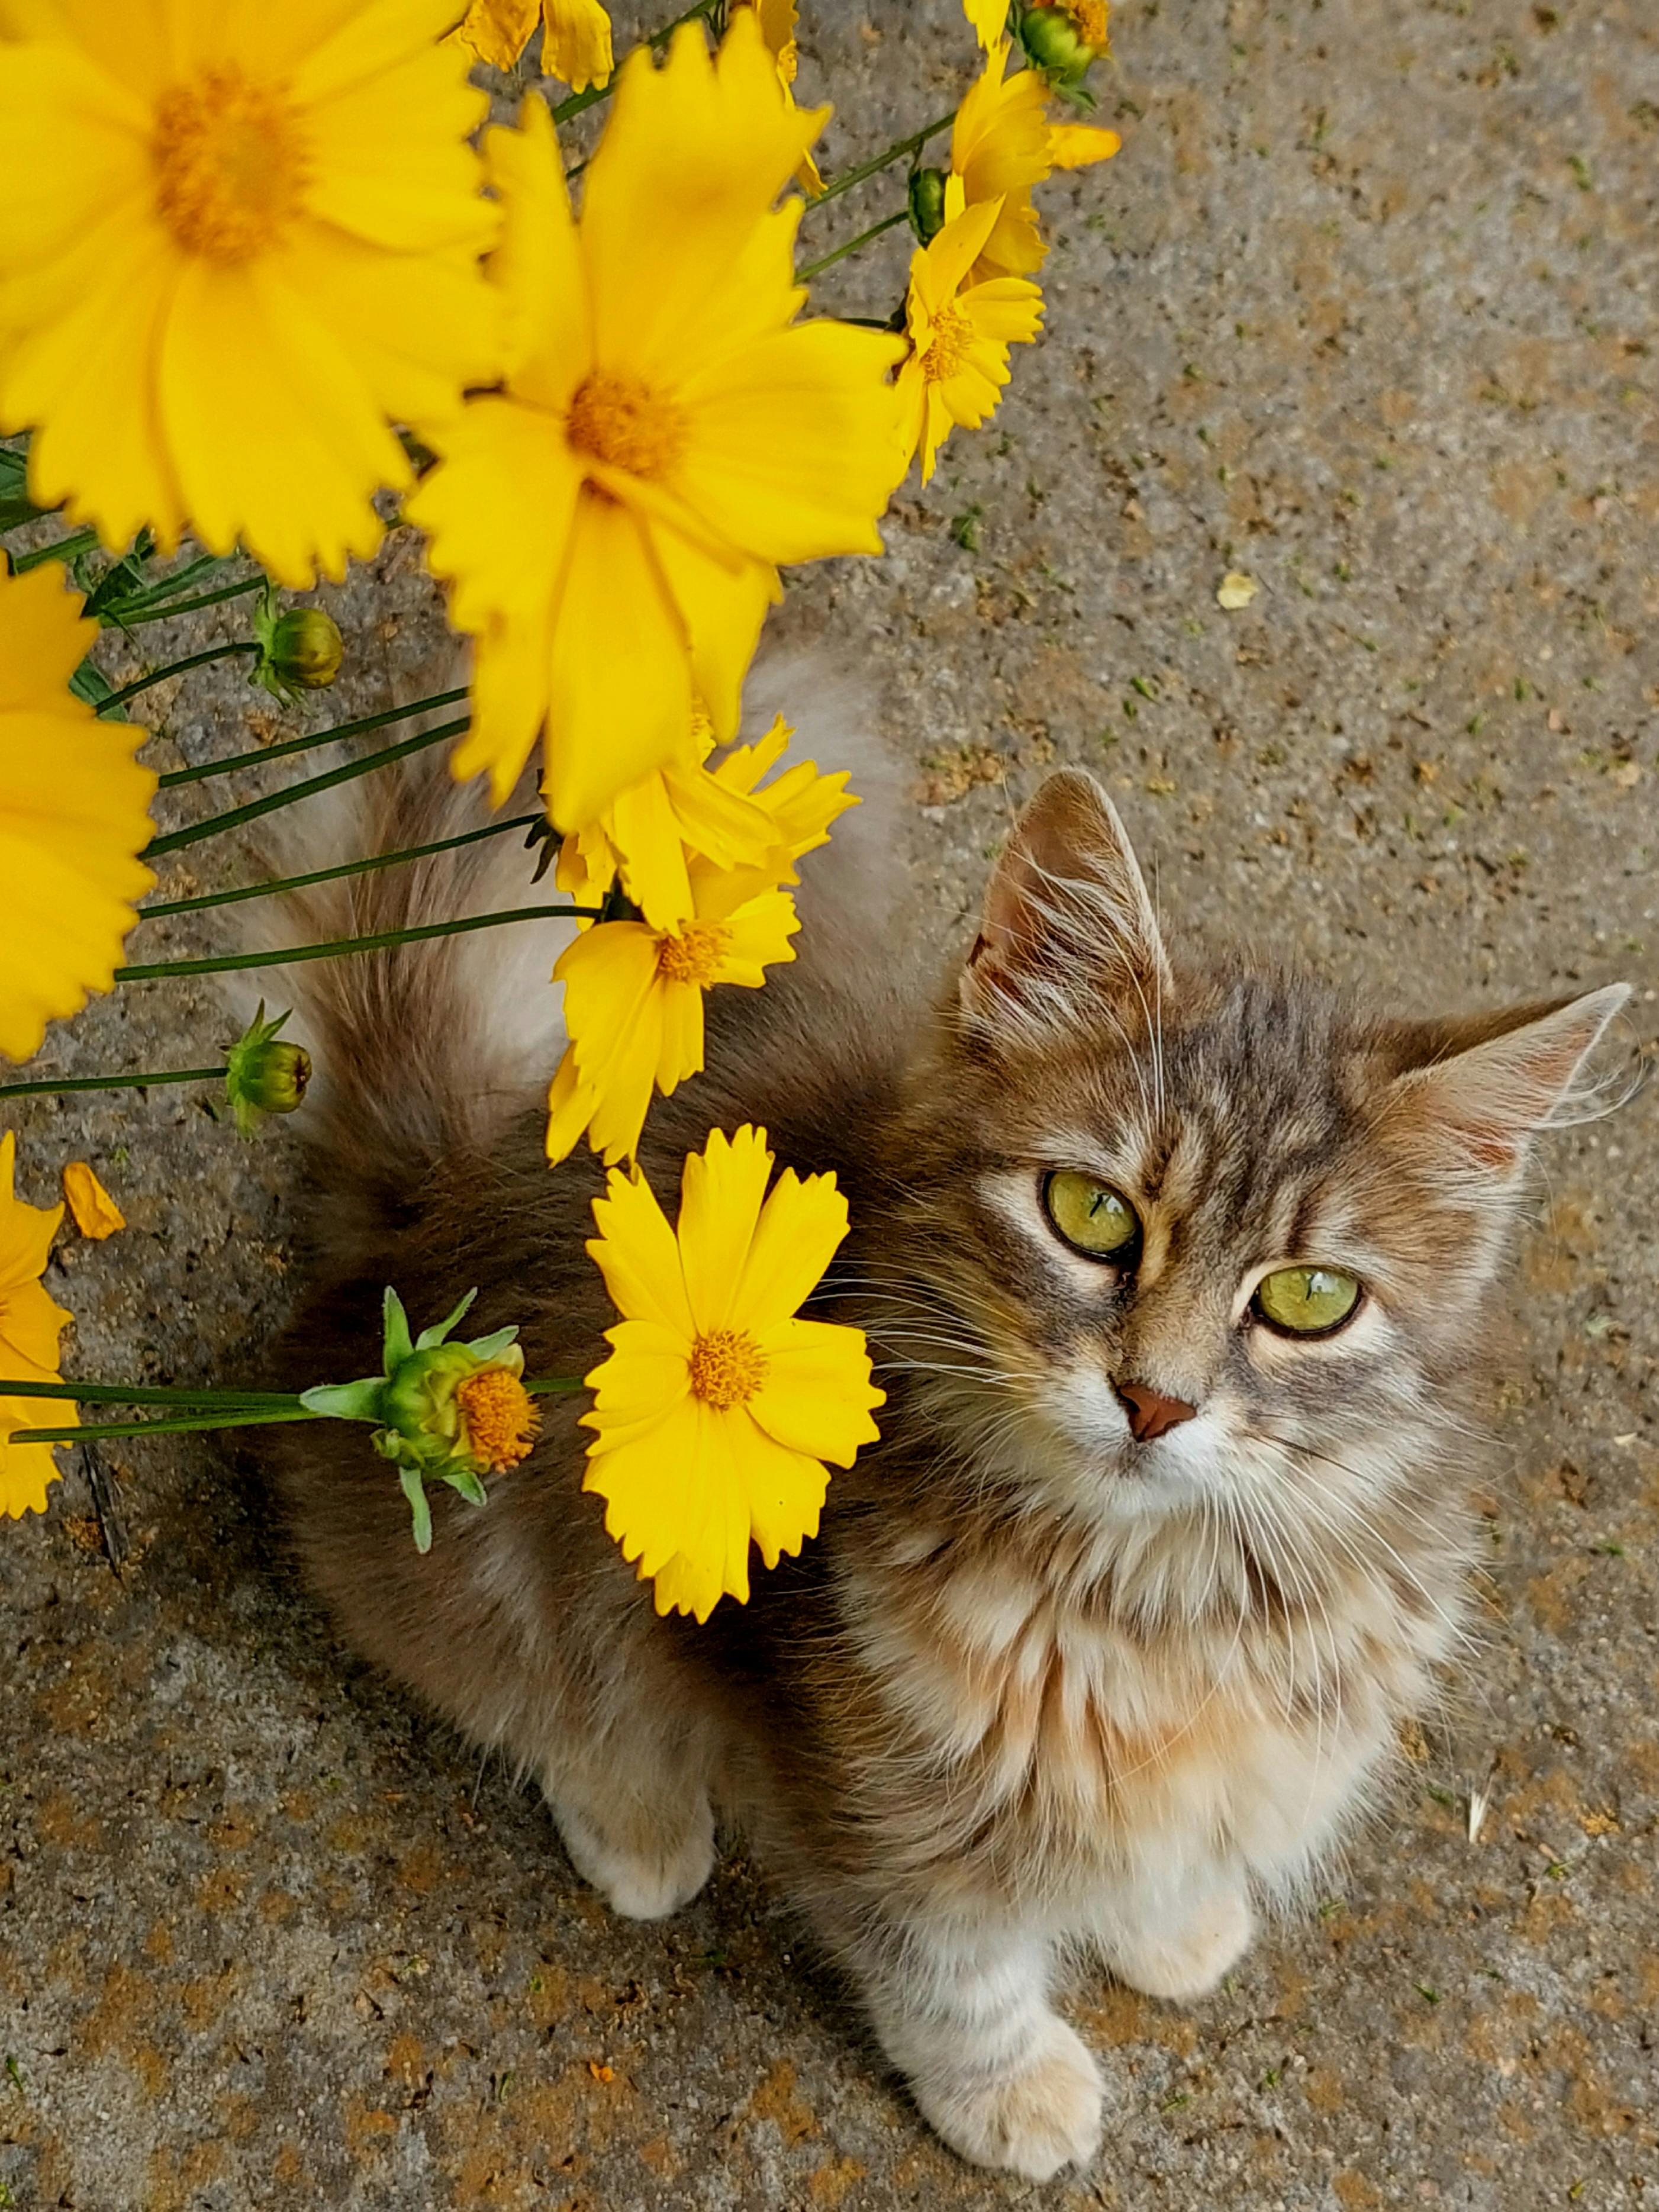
[{"x": 1365, "y": 309}]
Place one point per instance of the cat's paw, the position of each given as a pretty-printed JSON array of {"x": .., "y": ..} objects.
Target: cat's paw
[
  {"x": 637, "y": 1884},
  {"x": 1188, "y": 1962},
  {"x": 1032, "y": 2122}
]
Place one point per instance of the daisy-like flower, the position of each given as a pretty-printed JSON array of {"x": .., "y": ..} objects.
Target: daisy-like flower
[
  {"x": 613, "y": 521},
  {"x": 575, "y": 37},
  {"x": 632, "y": 1005},
  {"x": 1002, "y": 144},
  {"x": 232, "y": 241},
  {"x": 718, "y": 1407},
  {"x": 960, "y": 334},
  {"x": 654, "y": 831},
  {"x": 31, "y": 1324},
  {"x": 74, "y": 816},
  {"x": 777, "y": 23}
]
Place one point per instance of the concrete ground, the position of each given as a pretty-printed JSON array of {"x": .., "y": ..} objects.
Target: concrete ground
[{"x": 1365, "y": 309}]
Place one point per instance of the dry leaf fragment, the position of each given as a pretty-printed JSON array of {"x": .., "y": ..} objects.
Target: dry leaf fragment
[
  {"x": 1236, "y": 590},
  {"x": 96, "y": 1214}
]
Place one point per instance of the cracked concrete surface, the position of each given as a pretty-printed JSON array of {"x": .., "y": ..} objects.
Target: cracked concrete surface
[{"x": 1364, "y": 309}]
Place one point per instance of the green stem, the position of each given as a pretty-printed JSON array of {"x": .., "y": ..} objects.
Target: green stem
[
  {"x": 97, "y": 1432},
  {"x": 141, "y": 1393},
  {"x": 112, "y": 1082},
  {"x": 261, "y": 754},
  {"x": 217, "y": 824},
  {"x": 829, "y": 261},
  {"x": 65, "y": 549},
  {"x": 341, "y": 947},
  {"x": 913, "y": 144},
  {"x": 174, "y": 668},
  {"x": 329, "y": 875},
  {"x": 192, "y": 606}
]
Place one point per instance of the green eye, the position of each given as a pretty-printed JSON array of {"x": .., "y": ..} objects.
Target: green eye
[
  {"x": 1093, "y": 1217},
  {"x": 1307, "y": 1301}
]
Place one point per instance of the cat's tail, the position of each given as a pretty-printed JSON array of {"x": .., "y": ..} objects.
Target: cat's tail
[{"x": 430, "y": 1049}]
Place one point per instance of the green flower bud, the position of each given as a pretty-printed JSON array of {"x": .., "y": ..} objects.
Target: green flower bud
[
  {"x": 299, "y": 651},
  {"x": 927, "y": 204},
  {"x": 1062, "y": 41},
  {"x": 263, "y": 1075},
  {"x": 443, "y": 1412}
]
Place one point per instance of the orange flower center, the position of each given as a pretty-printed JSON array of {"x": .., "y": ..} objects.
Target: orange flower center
[
  {"x": 948, "y": 347},
  {"x": 620, "y": 420},
  {"x": 695, "y": 955},
  {"x": 1089, "y": 16},
  {"x": 229, "y": 165},
  {"x": 500, "y": 1418},
  {"x": 727, "y": 1367}
]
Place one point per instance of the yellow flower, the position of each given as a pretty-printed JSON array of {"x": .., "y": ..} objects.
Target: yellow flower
[
  {"x": 96, "y": 1214},
  {"x": 999, "y": 148},
  {"x": 990, "y": 19},
  {"x": 649, "y": 833},
  {"x": 632, "y": 1005},
  {"x": 718, "y": 1407},
  {"x": 613, "y": 521},
  {"x": 30, "y": 1326},
  {"x": 73, "y": 817},
  {"x": 960, "y": 334},
  {"x": 233, "y": 240},
  {"x": 576, "y": 38},
  {"x": 777, "y": 23},
  {"x": 654, "y": 831}
]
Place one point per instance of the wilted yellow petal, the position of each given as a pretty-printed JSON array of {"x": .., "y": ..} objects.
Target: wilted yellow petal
[
  {"x": 96, "y": 1214},
  {"x": 1236, "y": 590}
]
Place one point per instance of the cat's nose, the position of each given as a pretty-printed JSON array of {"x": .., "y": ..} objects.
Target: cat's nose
[{"x": 1152, "y": 1413}]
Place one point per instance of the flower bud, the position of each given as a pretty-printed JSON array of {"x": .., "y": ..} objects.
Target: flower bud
[
  {"x": 927, "y": 204},
  {"x": 1062, "y": 41},
  {"x": 263, "y": 1075},
  {"x": 299, "y": 651}
]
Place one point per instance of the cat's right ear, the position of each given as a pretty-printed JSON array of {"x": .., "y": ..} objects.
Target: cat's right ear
[{"x": 1067, "y": 919}]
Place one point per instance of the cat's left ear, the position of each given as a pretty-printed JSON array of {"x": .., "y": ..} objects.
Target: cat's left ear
[
  {"x": 1067, "y": 919},
  {"x": 1479, "y": 1090}
]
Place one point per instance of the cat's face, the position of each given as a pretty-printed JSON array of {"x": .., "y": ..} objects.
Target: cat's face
[{"x": 1176, "y": 1244}]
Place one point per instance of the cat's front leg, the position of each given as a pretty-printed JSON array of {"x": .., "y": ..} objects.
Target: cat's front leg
[
  {"x": 1176, "y": 1938},
  {"x": 963, "y": 2012}
]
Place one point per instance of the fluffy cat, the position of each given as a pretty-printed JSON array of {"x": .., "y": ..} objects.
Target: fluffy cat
[{"x": 1177, "y": 1279}]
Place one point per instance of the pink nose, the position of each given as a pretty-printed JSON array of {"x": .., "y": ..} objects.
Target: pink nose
[{"x": 1151, "y": 1414}]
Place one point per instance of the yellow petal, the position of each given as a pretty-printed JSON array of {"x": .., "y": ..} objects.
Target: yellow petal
[
  {"x": 576, "y": 43},
  {"x": 817, "y": 1395},
  {"x": 389, "y": 161},
  {"x": 783, "y": 1489},
  {"x": 800, "y": 1228},
  {"x": 637, "y": 1255},
  {"x": 990, "y": 19},
  {"x": 96, "y": 1214},
  {"x": 26, "y": 1469},
  {"x": 723, "y": 613},
  {"x": 537, "y": 267},
  {"x": 721, "y": 1194},
  {"x": 498, "y": 31},
  {"x": 1076, "y": 145},
  {"x": 43, "y": 641}
]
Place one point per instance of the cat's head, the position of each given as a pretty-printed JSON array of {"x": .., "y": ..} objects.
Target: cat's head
[{"x": 1184, "y": 1239}]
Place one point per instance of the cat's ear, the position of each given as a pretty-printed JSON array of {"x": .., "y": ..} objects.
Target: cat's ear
[
  {"x": 1067, "y": 919},
  {"x": 1480, "y": 1088}
]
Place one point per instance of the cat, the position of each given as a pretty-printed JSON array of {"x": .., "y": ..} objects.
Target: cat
[{"x": 1177, "y": 1278}]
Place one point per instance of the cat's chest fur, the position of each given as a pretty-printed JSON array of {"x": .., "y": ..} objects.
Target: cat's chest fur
[{"x": 1065, "y": 1745}]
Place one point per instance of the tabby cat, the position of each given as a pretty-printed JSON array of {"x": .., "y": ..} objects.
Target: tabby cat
[{"x": 1177, "y": 1278}]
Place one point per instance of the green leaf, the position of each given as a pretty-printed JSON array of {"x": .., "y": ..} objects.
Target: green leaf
[
  {"x": 346, "y": 1401},
  {"x": 436, "y": 1336},
  {"x": 415, "y": 1491},
  {"x": 460, "y": 1476},
  {"x": 491, "y": 1348},
  {"x": 89, "y": 684},
  {"x": 397, "y": 1344}
]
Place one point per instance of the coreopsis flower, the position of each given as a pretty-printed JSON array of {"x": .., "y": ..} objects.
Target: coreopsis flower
[
  {"x": 960, "y": 333},
  {"x": 443, "y": 1412},
  {"x": 96, "y": 1214},
  {"x": 649, "y": 834},
  {"x": 575, "y": 37},
  {"x": 777, "y": 24},
  {"x": 72, "y": 815},
  {"x": 1002, "y": 144},
  {"x": 234, "y": 241},
  {"x": 31, "y": 1324},
  {"x": 990, "y": 19},
  {"x": 718, "y": 1408},
  {"x": 801, "y": 804},
  {"x": 632, "y": 1005},
  {"x": 611, "y": 522}
]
